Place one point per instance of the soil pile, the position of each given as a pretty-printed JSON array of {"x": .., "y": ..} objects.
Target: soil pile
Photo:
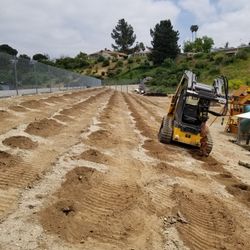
[
  {"x": 45, "y": 127},
  {"x": 95, "y": 156},
  {"x": 33, "y": 104},
  {"x": 20, "y": 142},
  {"x": 98, "y": 208},
  {"x": 18, "y": 108},
  {"x": 7, "y": 160}
]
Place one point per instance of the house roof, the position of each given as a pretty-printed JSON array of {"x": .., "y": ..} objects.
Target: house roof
[
  {"x": 112, "y": 53},
  {"x": 241, "y": 90}
]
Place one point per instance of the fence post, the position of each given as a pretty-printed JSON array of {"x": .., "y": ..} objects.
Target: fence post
[
  {"x": 50, "y": 81},
  {"x": 14, "y": 61}
]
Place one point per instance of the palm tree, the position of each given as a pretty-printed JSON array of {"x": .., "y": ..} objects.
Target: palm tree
[{"x": 194, "y": 28}]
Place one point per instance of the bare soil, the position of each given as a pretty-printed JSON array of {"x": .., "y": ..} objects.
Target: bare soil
[{"x": 85, "y": 170}]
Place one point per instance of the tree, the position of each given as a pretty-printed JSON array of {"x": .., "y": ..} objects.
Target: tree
[
  {"x": 124, "y": 36},
  {"x": 194, "y": 28},
  {"x": 165, "y": 42},
  {"x": 40, "y": 57},
  {"x": 203, "y": 44},
  {"x": 24, "y": 56},
  {"x": 5, "y": 48},
  {"x": 138, "y": 47}
]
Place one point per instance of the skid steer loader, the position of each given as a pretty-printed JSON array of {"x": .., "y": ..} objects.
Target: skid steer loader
[{"x": 189, "y": 110}]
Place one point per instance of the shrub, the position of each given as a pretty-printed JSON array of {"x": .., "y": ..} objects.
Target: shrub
[
  {"x": 130, "y": 60},
  {"x": 235, "y": 83},
  {"x": 168, "y": 62},
  {"x": 242, "y": 54},
  {"x": 119, "y": 64},
  {"x": 214, "y": 71},
  {"x": 200, "y": 65},
  {"x": 218, "y": 59},
  {"x": 105, "y": 63},
  {"x": 199, "y": 55},
  {"x": 100, "y": 59},
  {"x": 138, "y": 59},
  {"x": 228, "y": 60}
]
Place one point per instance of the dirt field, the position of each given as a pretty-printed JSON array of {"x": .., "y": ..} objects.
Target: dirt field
[{"x": 84, "y": 170}]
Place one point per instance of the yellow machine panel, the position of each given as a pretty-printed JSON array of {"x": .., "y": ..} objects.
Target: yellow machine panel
[{"x": 185, "y": 137}]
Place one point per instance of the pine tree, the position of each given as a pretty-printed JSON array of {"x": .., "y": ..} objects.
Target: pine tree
[
  {"x": 124, "y": 36},
  {"x": 165, "y": 42}
]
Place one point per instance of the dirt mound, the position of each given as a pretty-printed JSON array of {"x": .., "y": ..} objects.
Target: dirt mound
[
  {"x": 3, "y": 114},
  {"x": 18, "y": 108},
  {"x": 54, "y": 99},
  {"x": 164, "y": 168},
  {"x": 95, "y": 156},
  {"x": 98, "y": 208},
  {"x": 102, "y": 138},
  {"x": 45, "y": 127},
  {"x": 210, "y": 224},
  {"x": 6, "y": 160},
  {"x": 20, "y": 142},
  {"x": 63, "y": 118},
  {"x": 33, "y": 104},
  {"x": 159, "y": 151}
]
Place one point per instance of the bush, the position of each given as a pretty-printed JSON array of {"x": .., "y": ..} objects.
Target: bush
[
  {"x": 100, "y": 59},
  {"x": 199, "y": 55},
  {"x": 138, "y": 59},
  {"x": 105, "y": 63},
  {"x": 218, "y": 59},
  {"x": 200, "y": 65},
  {"x": 119, "y": 64},
  {"x": 130, "y": 60},
  {"x": 168, "y": 62},
  {"x": 214, "y": 71},
  {"x": 242, "y": 54},
  {"x": 228, "y": 60},
  {"x": 235, "y": 83}
]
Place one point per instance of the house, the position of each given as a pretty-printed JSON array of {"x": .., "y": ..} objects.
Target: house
[
  {"x": 140, "y": 54},
  {"x": 108, "y": 54}
]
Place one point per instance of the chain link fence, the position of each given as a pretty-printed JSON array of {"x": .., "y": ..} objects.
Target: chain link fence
[{"x": 20, "y": 76}]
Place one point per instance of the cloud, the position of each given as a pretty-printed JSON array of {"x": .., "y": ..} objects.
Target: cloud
[
  {"x": 231, "y": 23},
  {"x": 223, "y": 20},
  {"x": 203, "y": 10},
  {"x": 62, "y": 27}
]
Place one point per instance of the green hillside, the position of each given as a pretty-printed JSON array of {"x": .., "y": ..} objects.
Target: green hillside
[{"x": 207, "y": 66}]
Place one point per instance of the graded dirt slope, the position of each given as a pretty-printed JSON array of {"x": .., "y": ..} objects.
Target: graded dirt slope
[{"x": 85, "y": 170}]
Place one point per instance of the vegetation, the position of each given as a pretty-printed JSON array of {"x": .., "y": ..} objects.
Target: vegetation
[
  {"x": 5, "y": 48},
  {"x": 123, "y": 35},
  {"x": 203, "y": 44},
  {"x": 165, "y": 42}
]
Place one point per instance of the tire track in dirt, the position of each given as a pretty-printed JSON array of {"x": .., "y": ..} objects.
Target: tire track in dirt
[
  {"x": 141, "y": 102},
  {"x": 150, "y": 130},
  {"x": 210, "y": 225},
  {"x": 213, "y": 213},
  {"x": 18, "y": 172},
  {"x": 14, "y": 115},
  {"x": 112, "y": 206}
]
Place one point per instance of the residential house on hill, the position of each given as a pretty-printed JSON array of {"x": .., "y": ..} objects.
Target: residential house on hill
[{"x": 108, "y": 54}]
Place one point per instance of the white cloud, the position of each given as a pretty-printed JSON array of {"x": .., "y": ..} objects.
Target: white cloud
[
  {"x": 62, "y": 27},
  {"x": 203, "y": 10},
  {"x": 231, "y": 24}
]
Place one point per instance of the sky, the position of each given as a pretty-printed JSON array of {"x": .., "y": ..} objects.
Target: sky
[{"x": 66, "y": 27}]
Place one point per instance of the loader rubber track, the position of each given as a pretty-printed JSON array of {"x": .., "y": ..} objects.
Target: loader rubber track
[{"x": 166, "y": 131}]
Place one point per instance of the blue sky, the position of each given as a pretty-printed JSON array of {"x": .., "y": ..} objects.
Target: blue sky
[{"x": 63, "y": 27}]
